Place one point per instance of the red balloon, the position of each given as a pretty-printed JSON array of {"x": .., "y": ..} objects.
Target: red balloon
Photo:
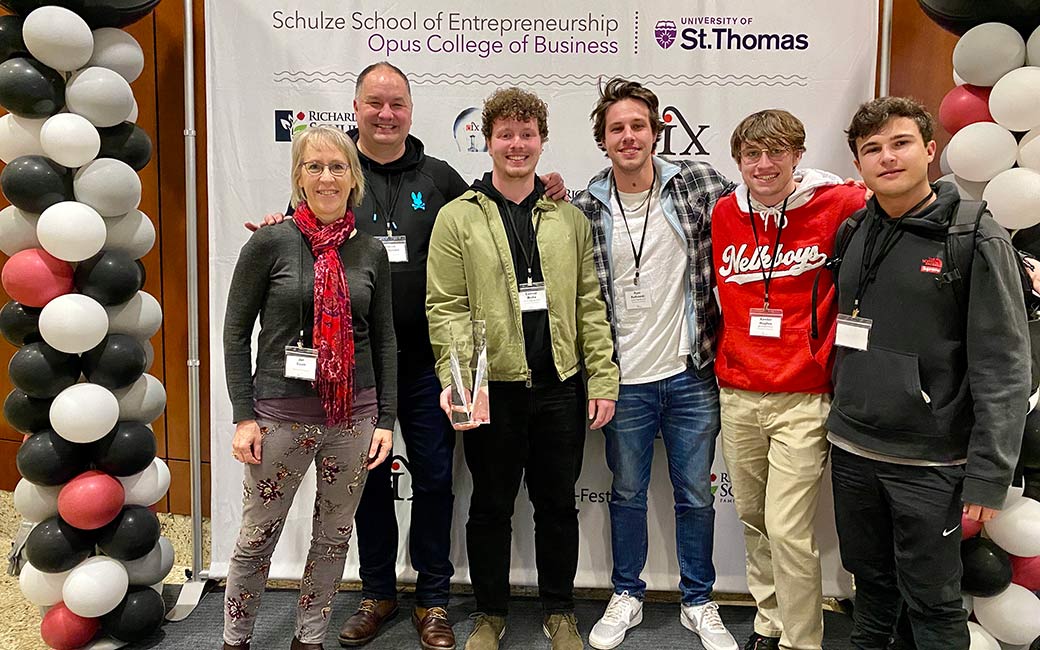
[
  {"x": 63, "y": 630},
  {"x": 1025, "y": 571},
  {"x": 969, "y": 527},
  {"x": 90, "y": 500},
  {"x": 964, "y": 105},
  {"x": 34, "y": 277}
]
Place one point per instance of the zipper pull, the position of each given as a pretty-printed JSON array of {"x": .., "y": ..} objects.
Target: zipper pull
[{"x": 528, "y": 383}]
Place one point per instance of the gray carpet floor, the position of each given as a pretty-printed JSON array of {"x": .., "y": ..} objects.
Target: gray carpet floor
[{"x": 660, "y": 629}]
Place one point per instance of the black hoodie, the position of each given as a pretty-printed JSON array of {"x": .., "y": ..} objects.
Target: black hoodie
[{"x": 942, "y": 380}]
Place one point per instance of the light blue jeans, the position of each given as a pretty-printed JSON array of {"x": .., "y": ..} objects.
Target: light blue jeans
[{"x": 685, "y": 409}]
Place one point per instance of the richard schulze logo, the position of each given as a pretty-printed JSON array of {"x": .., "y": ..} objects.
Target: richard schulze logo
[
  {"x": 722, "y": 487},
  {"x": 287, "y": 124},
  {"x": 400, "y": 478},
  {"x": 467, "y": 131}
]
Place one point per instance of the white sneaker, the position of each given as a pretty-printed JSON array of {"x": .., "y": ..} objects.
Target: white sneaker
[
  {"x": 623, "y": 612},
  {"x": 704, "y": 621}
]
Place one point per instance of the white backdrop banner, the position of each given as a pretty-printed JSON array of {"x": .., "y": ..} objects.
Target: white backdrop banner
[{"x": 275, "y": 67}]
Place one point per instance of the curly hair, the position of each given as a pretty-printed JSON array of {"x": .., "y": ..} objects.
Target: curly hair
[
  {"x": 873, "y": 115},
  {"x": 513, "y": 103}
]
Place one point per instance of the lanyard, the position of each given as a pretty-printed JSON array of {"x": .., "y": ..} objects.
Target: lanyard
[
  {"x": 532, "y": 238},
  {"x": 303, "y": 240},
  {"x": 391, "y": 201},
  {"x": 871, "y": 263},
  {"x": 638, "y": 255},
  {"x": 768, "y": 277}
]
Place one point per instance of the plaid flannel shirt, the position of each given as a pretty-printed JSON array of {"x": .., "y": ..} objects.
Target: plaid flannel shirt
[{"x": 694, "y": 188}]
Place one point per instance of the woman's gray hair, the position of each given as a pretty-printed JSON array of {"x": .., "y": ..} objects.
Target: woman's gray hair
[{"x": 337, "y": 139}]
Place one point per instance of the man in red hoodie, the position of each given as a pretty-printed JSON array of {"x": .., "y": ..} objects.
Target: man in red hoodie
[{"x": 770, "y": 239}]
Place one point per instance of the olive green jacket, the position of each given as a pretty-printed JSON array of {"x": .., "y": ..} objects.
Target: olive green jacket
[{"x": 470, "y": 275}]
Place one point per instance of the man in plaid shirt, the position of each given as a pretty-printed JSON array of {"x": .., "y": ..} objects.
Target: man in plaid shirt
[{"x": 652, "y": 242}]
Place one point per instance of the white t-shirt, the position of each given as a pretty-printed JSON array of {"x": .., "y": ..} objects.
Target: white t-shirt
[{"x": 653, "y": 341}]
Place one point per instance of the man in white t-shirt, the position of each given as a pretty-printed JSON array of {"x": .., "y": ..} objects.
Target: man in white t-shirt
[{"x": 652, "y": 246}]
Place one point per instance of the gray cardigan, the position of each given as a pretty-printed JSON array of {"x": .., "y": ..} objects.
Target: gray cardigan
[{"x": 267, "y": 283}]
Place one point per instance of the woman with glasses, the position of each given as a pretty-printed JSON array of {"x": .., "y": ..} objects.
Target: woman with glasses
[{"x": 324, "y": 388}]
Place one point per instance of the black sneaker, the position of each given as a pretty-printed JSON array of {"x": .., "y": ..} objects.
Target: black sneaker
[{"x": 758, "y": 642}]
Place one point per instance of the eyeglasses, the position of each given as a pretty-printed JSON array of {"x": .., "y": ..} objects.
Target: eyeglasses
[
  {"x": 775, "y": 154},
  {"x": 337, "y": 169}
]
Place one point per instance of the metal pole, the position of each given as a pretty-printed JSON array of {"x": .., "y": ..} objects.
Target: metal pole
[
  {"x": 193, "y": 590},
  {"x": 886, "y": 48}
]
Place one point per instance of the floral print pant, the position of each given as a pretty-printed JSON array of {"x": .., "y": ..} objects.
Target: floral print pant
[{"x": 340, "y": 454}]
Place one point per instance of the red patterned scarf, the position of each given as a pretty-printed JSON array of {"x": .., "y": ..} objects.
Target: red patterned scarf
[{"x": 333, "y": 325}]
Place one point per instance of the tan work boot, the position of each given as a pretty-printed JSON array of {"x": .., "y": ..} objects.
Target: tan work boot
[
  {"x": 562, "y": 630},
  {"x": 487, "y": 630}
]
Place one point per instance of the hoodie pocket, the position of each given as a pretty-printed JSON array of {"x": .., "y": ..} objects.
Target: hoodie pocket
[{"x": 882, "y": 389}]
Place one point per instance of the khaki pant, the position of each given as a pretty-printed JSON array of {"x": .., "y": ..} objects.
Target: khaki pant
[{"x": 775, "y": 446}]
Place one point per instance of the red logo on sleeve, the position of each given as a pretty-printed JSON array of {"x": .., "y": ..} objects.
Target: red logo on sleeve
[{"x": 931, "y": 265}]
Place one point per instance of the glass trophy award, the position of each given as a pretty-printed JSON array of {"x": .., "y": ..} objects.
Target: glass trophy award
[{"x": 469, "y": 384}]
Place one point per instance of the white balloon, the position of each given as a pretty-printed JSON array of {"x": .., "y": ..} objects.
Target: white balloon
[
  {"x": 36, "y": 502},
  {"x": 967, "y": 602},
  {"x": 147, "y": 487},
  {"x": 73, "y": 323},
  {"x": 100, "y": 95},
  {"x": 116, "y": 50},
  {"x": 1013, "y": 100},
  {"x": 70, "y": 139},
  {"x": 71, "y": 231},
  {"x": 19, "y": 136},
  {"x": 980, "y": 638},
  {"x": 110, "y": 186},
  {"x": 1012, "y": 616},
  {"x": 141, "y": 401},
  {"x": 58, "y": 38},
  {"x": 131, "y": 233},
  {"x": 987, "y": 52},
  {"x": 980, "y": 151},
  {"x": 967, "y": 189},
  {"x": 132, "y": 117},
  {"x": 140, "y": 317},
  {"x": 957, "y": 81},
  {"x": 944, "y": 163},
  {"x": 1016, "y": 529},
  {"x": 84, "y": 412},
  {"x": 153, "y": 567},
  {"x": 40, "y": 588},
  {"x": 1029, "y": 150},
  {"x": 1014, "y": 199},
  {"x": 1033, "y": 48},
  {"x": 17, "y": 230},
  {"x": 95, "y": 587}
]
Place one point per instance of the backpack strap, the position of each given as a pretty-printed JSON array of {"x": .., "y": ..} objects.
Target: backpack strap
[
  {"x": 959, "y": 248},
  {"x": 841, "y": 244}
]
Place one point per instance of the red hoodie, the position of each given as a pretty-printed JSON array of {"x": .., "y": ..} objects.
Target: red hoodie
[{"x": 795, "y": 362}]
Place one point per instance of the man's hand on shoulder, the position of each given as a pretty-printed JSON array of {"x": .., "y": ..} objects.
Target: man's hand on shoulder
[
  {"x": 268, "y": 220},
  {"x": 555, "y": 188}
]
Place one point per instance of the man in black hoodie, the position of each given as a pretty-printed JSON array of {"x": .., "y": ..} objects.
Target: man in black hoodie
[{"x": 931, "y": 383}]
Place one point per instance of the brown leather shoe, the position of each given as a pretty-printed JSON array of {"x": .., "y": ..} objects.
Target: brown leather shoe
[
  {"x": 300, "y": 645},
  {"x": 366, "y": 622},
  {"x": 434, "y": 630}
]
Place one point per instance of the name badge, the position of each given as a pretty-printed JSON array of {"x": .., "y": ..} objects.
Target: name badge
[
  {"x": 853, "y": 332},
  {"x": 637, "y": 299},
  {"x": 396, "y": 247},
  {"x": 532, "y": 297},
  {"x": 301, "y": 363},
  {"x": 766, "y": 323}
]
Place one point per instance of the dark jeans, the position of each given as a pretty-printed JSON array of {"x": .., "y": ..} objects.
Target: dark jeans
[
  {"x": 899, "y": 535},
  {"x": 537, "y": 433},
  {"x": 430, "y": 443}
]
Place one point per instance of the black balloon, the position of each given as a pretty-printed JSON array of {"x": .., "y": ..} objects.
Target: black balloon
[
  {"x": 110, "y": 277},
  {"x": 35, "y": 183},
  {"x": 30, "y": 89},
  {"x": 54, "y": 545},
  {"x": 26, "y": 414},
  {"x": 987, "y": 567},
  {"x": 127, "y": 142},
  {"x": 958, "y": 16},
  {"x": 125, "y": 450},
  {"x": 48, "y": 459},
  {"x": 97, "y": 13},
  {"x": 137, "y": 617},
  {"x": 43, "y": 372},
  {"x": 116, "y": 362},
  {"x": 20, "y": 324},
  {"x": 11, "y": 43},
  {"x": 131, "y": 535}
]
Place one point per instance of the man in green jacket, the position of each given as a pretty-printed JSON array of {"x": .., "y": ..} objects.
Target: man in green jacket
[{"x": 544, "y": 322}]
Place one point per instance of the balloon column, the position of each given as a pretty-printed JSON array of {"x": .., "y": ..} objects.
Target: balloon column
[{"x": 73, "y": 236}]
